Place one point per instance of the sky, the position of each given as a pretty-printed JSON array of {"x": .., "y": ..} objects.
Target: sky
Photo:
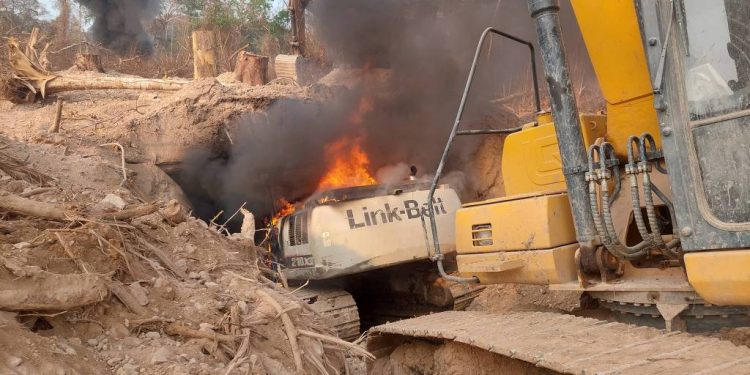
[{"x": 51, "y": 9}]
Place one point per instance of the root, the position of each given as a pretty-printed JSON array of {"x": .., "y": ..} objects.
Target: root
[
  {"x": 131, "y": 213},
  {"x": 51, "y": 292},
  {"x": 291, "y": 330},
  {"x": 356, "y": 349},
  {"x": 122, "y": 161},
  {"x": 28, "y": 207},
  {"x": 176, "y": 329},
  {"x": 127, "y": 299},
  {"x": 164, "y": 258}
]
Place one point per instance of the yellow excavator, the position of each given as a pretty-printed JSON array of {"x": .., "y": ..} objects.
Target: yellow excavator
[{"x": 645, "y": 210}]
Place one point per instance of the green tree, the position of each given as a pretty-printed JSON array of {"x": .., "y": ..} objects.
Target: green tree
[
  {"x": 252, "y": 19},
  {"x": 19, "y": 15}
]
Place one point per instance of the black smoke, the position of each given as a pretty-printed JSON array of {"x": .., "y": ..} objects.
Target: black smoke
[
  {"x": 120, "y": 24},
  {"x": 412, "y": 57}
]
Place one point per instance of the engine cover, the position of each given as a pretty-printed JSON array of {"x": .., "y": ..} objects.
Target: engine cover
[{"x": 347, "y": 231}]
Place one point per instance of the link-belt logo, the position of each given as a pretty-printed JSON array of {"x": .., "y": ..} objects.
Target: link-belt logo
[{"x": 388, "y": 214}]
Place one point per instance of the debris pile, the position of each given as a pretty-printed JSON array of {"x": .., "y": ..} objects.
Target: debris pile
[{"x": 96, "y": 279}]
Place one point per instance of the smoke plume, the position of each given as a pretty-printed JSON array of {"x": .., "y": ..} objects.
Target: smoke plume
[
  {"x": 412, "y": 57},
  {"x": 119, "y": 24}
]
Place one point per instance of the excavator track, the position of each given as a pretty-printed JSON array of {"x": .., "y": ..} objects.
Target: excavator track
[
  {"x": 381, "y": 310},
  {"x": 569, "y": 344},
  {"x": 335, "y": 305}
]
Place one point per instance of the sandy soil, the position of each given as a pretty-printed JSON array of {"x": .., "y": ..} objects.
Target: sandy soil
[{"x": 150, "y": 293}]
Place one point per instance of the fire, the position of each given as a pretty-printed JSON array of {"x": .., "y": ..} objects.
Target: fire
[
  {"x": 285, "y": 210},
  {"x": 347, "y": 164}
]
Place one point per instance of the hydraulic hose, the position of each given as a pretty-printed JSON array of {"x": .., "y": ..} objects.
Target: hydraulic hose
[
  {"x": 631, "y": 169},
  {"x": 601, "y": 209},
  {"x": 648, "y": 198}
]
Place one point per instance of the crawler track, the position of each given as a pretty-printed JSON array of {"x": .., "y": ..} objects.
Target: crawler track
[
  {"x": 337, "y": 306},
  {"x": 570, "y": 344}
]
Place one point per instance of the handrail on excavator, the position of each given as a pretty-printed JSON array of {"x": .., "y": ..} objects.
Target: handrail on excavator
[{"x": 438, "y": 256}]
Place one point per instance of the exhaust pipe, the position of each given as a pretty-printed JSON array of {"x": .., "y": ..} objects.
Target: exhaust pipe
[{"x": 565, "y": 114}]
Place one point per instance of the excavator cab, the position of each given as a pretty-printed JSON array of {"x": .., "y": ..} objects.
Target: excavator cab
[{"x": 645, "y": 208}]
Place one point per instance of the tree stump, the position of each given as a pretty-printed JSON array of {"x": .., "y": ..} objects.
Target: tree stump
[
  {"x": 89, "y": 62},
  {"x": 204, "y": 54},
  {"x": 251, "y": 68}
]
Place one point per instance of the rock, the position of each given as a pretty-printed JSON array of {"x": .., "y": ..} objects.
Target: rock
[
  {"x": 194, "y": 275},
  {"x": 211, "y": 285},
  {"x": 152, "y": 335},
  {"x": 243, "y": 306},
  {"x": 161, "y": 282},
  {"x": 92, "y": 342},
  {"x": 22, "y": 245},
  {"x": 181, "y": 265},
  {"x": 128, "y": 369},
  {"x": 68, "y": 349},
  {"x": 112, "y": 361},
  {"x": 161, "y": 355},
  {"x": 112, "y": 201},
  {"x": 205, "y": 276},
  {"x": 118, "y": 331},
  {"x": 14, "y": 361},
  {"x": 139, "y": 293},
  {"x": 74, "y": 340},
  {"x": 15, "y": 186}
]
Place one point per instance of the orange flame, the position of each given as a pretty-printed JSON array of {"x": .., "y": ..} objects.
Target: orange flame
[
  {"x": 348, "y": 165},
  {"x": 285, "y": 210}
]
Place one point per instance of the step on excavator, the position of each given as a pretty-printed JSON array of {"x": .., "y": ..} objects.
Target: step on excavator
[{"x": 644, "y": 210}]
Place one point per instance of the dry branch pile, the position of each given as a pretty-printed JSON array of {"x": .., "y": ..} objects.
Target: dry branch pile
[{"x": 122, "y": 286}]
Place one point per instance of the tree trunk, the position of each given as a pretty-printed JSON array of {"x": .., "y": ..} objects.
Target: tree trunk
[
  {"x": 62, "y": 24},
  {"x": 204, "y": 54},
  {"x": 89, "y": 62},
  {"x": 297, "y": 8},
  {"x": 64, "y": 83},
  {"x": 251, "y": 68}
]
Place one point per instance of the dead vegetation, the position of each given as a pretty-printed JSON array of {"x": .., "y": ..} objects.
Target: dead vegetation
[{"x": 101, "y": 280}]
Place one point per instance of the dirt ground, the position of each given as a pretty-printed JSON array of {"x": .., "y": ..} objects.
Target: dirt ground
[{"x": 103, "y": 275}]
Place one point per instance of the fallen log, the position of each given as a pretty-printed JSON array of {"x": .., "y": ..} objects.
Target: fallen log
[
  {"x": 131, "y": 213},
  {"x": 68, "y": 83},
  {"x": 29, "y": 78},
  {"x": 29, "y": 207},
  {"x": 49, "y": 291}
]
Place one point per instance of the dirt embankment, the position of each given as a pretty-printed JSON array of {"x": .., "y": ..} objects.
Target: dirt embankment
[
  {"x": 100, "y": 275},
  {"x": 155, "y": 127}
]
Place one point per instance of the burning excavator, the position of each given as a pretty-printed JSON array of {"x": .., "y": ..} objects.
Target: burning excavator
[
  {"x": 360, "y": 243},
  {"x": 643, "y": 210}
]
